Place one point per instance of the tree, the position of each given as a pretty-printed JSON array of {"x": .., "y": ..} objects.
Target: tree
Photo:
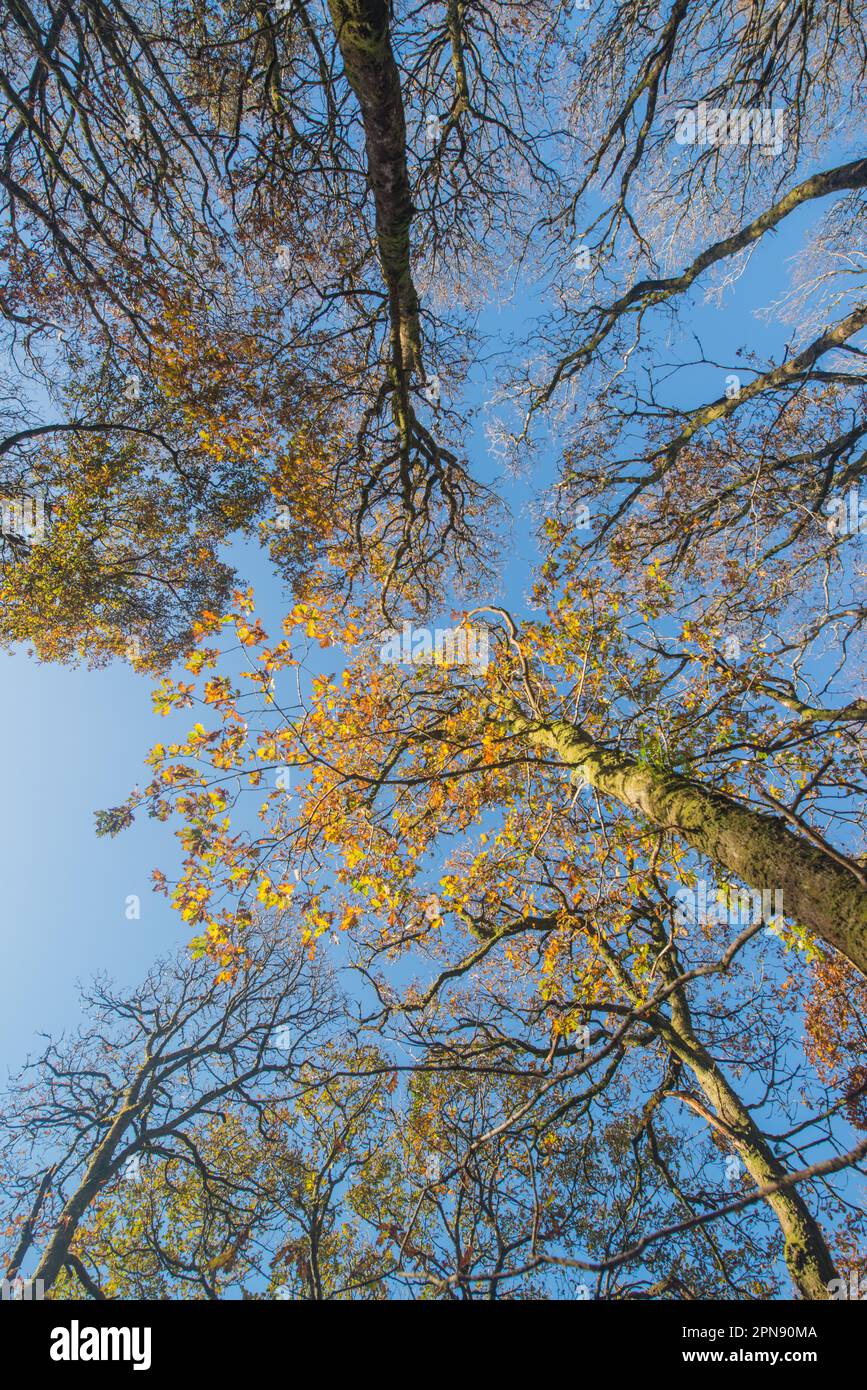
[
  {"x": 151, "y": 1081},
  {"x": 283, "y": 1204},
  {"x": 619, "y": 851},
  {"x": 400, "y": 762},
  {"x": 165, "y": 241}
]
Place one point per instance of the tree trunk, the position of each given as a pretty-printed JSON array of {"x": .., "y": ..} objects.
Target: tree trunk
[
  {"x": 817, "y": 891},
  {"x": 56, "y": 1253},
  {"x": 807, "y": 1257},
  {"x": 362, "y": 33},
  {"x": 806, "y": 1254}
]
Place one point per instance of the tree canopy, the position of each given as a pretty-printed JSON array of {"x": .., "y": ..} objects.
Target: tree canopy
[{"x": 550, "y": 876}]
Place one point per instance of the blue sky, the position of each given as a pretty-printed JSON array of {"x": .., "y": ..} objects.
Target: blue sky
[
  {"x": 78, "y": 737},
  {"x": 75, "y": 743}
]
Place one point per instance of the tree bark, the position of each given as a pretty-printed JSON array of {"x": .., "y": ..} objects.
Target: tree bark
[
  {"x": 818, "y": 892},
  {"x": 363, "y": 37},
  {"x": 807, "y": 1257},
  {"x": 25, "y": 1240},
  {"x": 57, "y": 1251}
]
